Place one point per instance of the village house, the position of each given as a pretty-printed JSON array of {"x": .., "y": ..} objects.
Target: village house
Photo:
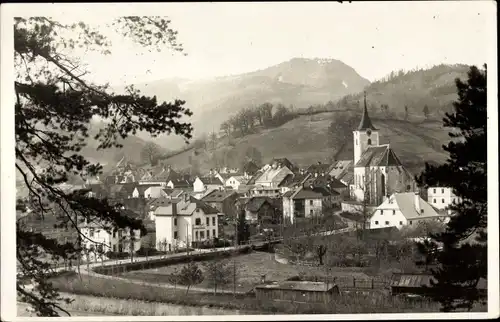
[
  {"x": 141, "y": 190},
  {"x": 267, "y": 182},
  {"x": 234, "y": 182},
  {"x": 306, "y": 202},
  {"x": 402, "y": 209},
  {"x": 378, "y": 172},
  {"x": 118, "y": 240},
  {"x": 318, "y": 169},
  {"x": 343, "y": 170},
  {"x": 159, "y": 176},
  {"x": 183, "y": 182},
  {"x": 261, "y": 210},
  {"x": 226, "y": 203},
  {"x": 184, "y": 222},
  {"x": 441, "y": 197},
  {"x": 204, "y": 184}
]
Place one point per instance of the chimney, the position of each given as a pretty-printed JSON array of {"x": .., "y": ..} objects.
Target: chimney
[
  {"x": 417, "y": 202},
  {"x": 174, "y": 208}
]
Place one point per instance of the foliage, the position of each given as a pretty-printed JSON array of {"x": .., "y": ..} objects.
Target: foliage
[
  {"x": 340, "y": 131},
  {"x": 190, "y": 274},
  {"x": 426, "y": 111},
  {"x": 218, "y": 273},
  {"x": 151, "y": 153},
  {"x": 243, "y": 228},
  {"x": 55, "y": 104},
  {"x": 462, "y": 260}
]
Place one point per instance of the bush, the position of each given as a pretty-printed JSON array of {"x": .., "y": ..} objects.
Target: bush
[
  {"x": 117, "y": 255},
  {"x": 149, "y": 251}
]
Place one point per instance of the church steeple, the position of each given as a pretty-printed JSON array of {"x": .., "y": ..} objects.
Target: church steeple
[{"x": 365, "y": 123}]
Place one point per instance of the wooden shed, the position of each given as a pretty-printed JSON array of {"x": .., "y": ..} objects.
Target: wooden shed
[
  {"x": 297, "y": 291},
  {"x": 419, "y": 284}
]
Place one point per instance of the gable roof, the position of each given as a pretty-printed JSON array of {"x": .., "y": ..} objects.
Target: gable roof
[
  {"x": 255, "y": 203},
  {"x": 308, "y": 193},
  {"x": 182, "y": 183},
  {"x": 218, "y": 196},
  {"x": 340, "y": 167},
  {"x": 379, "y": 156},
  {"x": 318, "y": 168},
  {"x": 275, "y": 175},
  {"x": 141, "y": 188},
  {"x": 406, "y": 204},
  {"x": 366, "y": 122},
  {"x": 186, "y": 207},
  {"x": 211, "y": 180},
  {"x": 293, "y": 180}
]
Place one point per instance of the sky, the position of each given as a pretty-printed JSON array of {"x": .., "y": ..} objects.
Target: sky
[{"x": 221, "y": 39}]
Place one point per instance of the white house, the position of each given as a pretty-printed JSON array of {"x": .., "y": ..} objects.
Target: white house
[
  {"x": 235, "y": 181},
  {"x": 119, "y": 240},
  {"x": 201, "y": 184},
  {"x": 441, "y": 197},
  {"x": 185, "y": 221},
  {"x": 402, "y": 209}
]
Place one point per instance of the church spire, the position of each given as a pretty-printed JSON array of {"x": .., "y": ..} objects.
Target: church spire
[{"x": 365, "y": 123}]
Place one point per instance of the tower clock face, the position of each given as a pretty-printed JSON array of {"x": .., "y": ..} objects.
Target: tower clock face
[{"x": 369, "y": 132}]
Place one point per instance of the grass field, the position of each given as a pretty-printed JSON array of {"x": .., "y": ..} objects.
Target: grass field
[
  {"x": 345, "y": 304},
  {"x": 250, "y": 269}
]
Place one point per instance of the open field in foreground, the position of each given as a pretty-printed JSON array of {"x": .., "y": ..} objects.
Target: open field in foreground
[
  {"x": 116, "y": 290},
  {"x": 250, "y": 268}
]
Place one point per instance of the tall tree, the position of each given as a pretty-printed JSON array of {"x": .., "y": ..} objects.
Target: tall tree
[
  {"x": 55, "y": 103},
  {"x": 426, "y": 111},
  {"x": 462, "y": 259},
  {"x": 150, "y": 153}
]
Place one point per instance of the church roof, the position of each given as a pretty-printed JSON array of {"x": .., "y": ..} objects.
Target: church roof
[
  {"x": 366, "y": 122},
  {"x": 379, "y": 156}
]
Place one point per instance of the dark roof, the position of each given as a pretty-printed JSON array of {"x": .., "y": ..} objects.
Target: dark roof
[
  {"x": 218, "y": 196},
  {"x": 254, "y": 204},
  {"x": 293, "y": 180},
  {"x": 129, "y": 213},
  {"x": 182, "y": 183},
  {"x": 207, "y": 209},
  {"x": 211, "y": 180},
  {"x": 422, "y": 280},
  {"x": 315, "y": 193},
  {"x": 129, "y": 187},
  {"x": 254, "y": 178},
  {"x": 365, "y": 123},
  {"x": 143, "y": 187},
  {"x": 318, "y": 168},
  {"x": 381, "y": 156}
]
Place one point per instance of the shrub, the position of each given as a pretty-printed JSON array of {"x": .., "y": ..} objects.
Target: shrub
[{"x": 117, "y": 255}]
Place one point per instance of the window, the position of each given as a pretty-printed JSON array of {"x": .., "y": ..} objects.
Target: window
[
  {"x": 411, "y": 222},
  {"x": 387, "y": 223},
  {"x": 434, "y": 200},
  {"x": 213, "y": 221},
  {"x": 369, "y": 141},
  {"x": 408, "y": 188},
  {"x": 310, "y": 202},
  {"x": 91, "y": 233},
  {"x": 114, "y": 248},
  {"x": 400, "y": 223},
  {"x": 381, "y": 211},
  {"x": 376, "y": 222},
  {"x": 208, "y": 233},
  {"x": 175, "y": 235},
  {"x": 207, "y": 221},
  {"x": 421, "y": 211},
  {"x": 442, "y": 200},
  {"x": 175, "y": 221},
  {"x": 393, "y": 212},
  {"x": 196, "y": 235},
  {"x": 442, "y": 190},
  {"x": 434, "y": 190},
  {"x": 197, "y": 222},
  {"x": 213, "y": 232},
  {"x": 202, "y": 235}
]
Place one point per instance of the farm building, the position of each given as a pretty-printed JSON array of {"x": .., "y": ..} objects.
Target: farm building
[
  {"x": 419, "y": 284},
  {"x": 297, "y": 291}
]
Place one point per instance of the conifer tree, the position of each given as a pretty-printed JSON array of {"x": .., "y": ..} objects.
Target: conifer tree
[
  {"x": 55, "y": 104},
  {"x": 461, "y": 259}
]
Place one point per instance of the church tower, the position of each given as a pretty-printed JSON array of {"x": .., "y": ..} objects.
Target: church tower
[{"x": 365, "y": 135}]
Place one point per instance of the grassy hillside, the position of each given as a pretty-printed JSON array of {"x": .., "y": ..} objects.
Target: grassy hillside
[
  {"x": 304, "y": 141},
  {"x": 434, "y": 87}
]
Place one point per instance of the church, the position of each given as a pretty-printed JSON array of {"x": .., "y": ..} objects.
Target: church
[{"x": 378, "y": 172}]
